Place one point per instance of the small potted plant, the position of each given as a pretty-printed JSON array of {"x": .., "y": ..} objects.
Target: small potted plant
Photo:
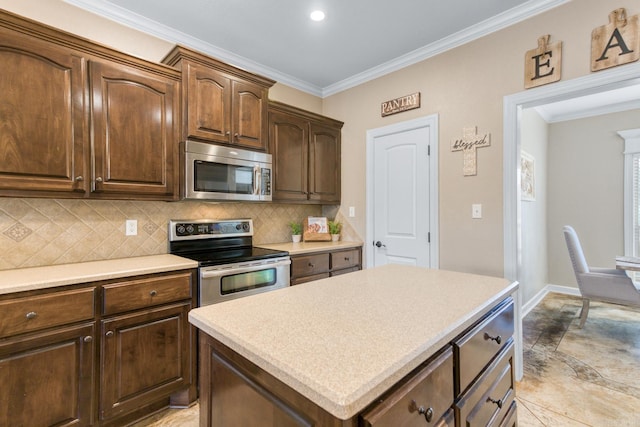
[
  {"x": 296, "y": 231},
  {"x": 334, "y": 229}
]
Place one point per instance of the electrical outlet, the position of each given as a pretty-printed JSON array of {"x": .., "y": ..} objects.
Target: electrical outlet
[
  {"x": 131, "y": 227},
  {"x": 476, "y": 211},
  {"x": 352, "y": 211}
]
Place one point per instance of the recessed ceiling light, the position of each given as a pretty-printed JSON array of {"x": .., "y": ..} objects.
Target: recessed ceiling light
[{"x": 317, "y": 15}]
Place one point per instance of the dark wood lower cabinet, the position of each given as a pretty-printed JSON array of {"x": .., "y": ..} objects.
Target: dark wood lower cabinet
[
  {"x": 143, "y": 358},
  {"x": 97, "y": 354},
  {"x": 46, "y": 378}
]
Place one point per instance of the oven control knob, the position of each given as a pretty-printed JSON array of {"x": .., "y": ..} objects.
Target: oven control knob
[
  {"x": 190, "y": 229},
  {"x": 180, "y": 230},
  {"x": 245, "y": 226}
]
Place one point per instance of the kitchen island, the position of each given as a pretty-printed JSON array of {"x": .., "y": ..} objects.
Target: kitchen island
[{"x": 325, "y": 352}]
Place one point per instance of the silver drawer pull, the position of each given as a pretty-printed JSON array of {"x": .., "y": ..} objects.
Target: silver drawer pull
[
  {"x": 497, "y": 339},
  {"x": 153, "y": 293},
  {"x": 428, "y": 412},
  {"x": 88, "y": 338},
  {"x": 32, "y": 315},
  {"x": 497, "y": 402},
  {"x": 311, "y": 265},
  {"x": 346, "y": 258}
]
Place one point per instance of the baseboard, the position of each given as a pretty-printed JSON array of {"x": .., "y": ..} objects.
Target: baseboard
[{"x": 530, "y": 305}]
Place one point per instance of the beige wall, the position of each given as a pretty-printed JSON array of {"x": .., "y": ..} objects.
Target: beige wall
[
  {"x": 465, "y": 87},
  {"x": 586, "y": 165},
  {"x": 534, "y": 273}
]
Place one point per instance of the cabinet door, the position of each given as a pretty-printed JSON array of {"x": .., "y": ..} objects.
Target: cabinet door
[
  {"x": 145, "y": 356},
  {"x": 43, "y": 118},
  {"x": 249, "y": 115},
  {"x": 47, "y": 378},
  {"x": 208, "y": 104},
  {"x": 289, "y": 146},
  {"x": 324, "y": 164},
  {"x": 135, "y": 144}
]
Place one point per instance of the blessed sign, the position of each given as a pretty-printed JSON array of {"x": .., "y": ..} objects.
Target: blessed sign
[
  {"x": 468, "y": 144},
  {"x": 403, "y": 103}
]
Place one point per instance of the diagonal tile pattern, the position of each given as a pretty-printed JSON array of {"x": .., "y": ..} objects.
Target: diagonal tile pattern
[{"x": 37, "y": 232}]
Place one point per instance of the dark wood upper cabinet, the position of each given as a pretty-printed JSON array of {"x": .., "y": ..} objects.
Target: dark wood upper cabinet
[
  {"x": 221, "y": 103},
  {"x": 306, "y": 155},
  {"x": 78, "y": 119},
  {"x": 133, "y": 131},
  {"x": 42, "y": 117}
]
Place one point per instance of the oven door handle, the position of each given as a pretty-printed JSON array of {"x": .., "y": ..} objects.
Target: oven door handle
[{"x": 207, "y": 274}]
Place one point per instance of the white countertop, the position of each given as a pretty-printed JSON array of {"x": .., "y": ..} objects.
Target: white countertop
[
  {"x": 343, "y": 341},
  {"x": 308, "y": 247},
  {"x": 27, "y": 279}
]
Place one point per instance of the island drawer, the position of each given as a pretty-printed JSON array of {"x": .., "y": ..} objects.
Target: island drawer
[
  {"x": 307, "y": 265},
  {"x": 511, "y": 419},
  {"x": 27, "y": 314},
  {"x": 474, "y": 350},
  {"x": 345, "y": 259},
  {"x": 489, "y": 400},
  {"x": 135, "y": 294},
  {"x": 422, "y": 398}
]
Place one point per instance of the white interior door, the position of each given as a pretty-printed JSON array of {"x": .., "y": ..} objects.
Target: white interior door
[{"x": 401, "y": 195}]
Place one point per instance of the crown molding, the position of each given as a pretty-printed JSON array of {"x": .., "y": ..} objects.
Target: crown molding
[
  {"x": 486, "y": 27},
  {"x": 138, "y": 22}
]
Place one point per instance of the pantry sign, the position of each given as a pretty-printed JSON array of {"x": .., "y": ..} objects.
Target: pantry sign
[{"x": 401, "y": 104}]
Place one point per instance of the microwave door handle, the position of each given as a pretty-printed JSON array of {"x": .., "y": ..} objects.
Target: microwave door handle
[
  {"x": 257, "y": 178},
  {"x": 248, "y": 269}
]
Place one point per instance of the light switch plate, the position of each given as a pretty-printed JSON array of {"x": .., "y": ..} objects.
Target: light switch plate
[
  {"x": 476, "y": 211},
  {"x": 352, "y": 211}
]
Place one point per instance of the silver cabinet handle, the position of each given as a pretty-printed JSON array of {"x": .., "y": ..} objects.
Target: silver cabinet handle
[
  {"x": 99, "y": 179},
  {"x": 31, "y": 315},
  {"x": 109, "y": 334},
  {"x": 88, "y": 338},
  {"x": 153, "y": 293},
  {"x": 79, "y": 178}
]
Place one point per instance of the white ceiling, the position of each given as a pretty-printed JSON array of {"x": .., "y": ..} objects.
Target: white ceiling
[{"x": 359, "y": 40}]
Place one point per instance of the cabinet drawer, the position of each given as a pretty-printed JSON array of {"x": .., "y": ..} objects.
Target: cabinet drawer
[
  {"x": 345, "y": 271},
  {"x": 475, "y": 349},
  {"x": 429, "y": 391},
  {"x": 511, "y": 419},
  {"x": 488, "y": 401},
  {"x": 43, "y": 311},
  {"x": 150, "y": 291},
  {"x": 345, "y": 259},
  {"x": 308, "y": 265},
  {"x": 306, "y": 279}
]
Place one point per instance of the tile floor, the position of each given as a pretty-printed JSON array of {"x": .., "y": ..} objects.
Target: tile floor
[{"x": 572, "y": 377}]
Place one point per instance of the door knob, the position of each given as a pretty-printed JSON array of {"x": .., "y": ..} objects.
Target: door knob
[{"x": 379, "y": 244}]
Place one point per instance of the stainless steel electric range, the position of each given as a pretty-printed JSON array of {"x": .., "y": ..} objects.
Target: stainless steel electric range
[{"x": 229, "y": 265}]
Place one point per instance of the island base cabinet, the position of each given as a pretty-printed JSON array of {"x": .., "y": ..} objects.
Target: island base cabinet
[
  {"x": 48, "y": 377},
  {"x": 236, "y": 392}
]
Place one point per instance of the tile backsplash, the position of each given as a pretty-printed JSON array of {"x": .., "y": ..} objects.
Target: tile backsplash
[{"x": 38, "y": 232}]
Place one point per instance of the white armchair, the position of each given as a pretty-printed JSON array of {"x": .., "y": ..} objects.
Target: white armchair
[{"x": 598, "y": 284}]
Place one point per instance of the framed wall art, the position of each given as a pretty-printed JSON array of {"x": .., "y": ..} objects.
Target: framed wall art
[{"x": 527, "y": 177}]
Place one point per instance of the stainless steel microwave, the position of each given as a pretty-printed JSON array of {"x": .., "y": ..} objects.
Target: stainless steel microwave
[{"x": 215, "y": 172}]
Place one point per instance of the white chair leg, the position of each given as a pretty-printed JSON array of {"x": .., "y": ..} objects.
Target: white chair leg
[{"x": 584, "y": 312}]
